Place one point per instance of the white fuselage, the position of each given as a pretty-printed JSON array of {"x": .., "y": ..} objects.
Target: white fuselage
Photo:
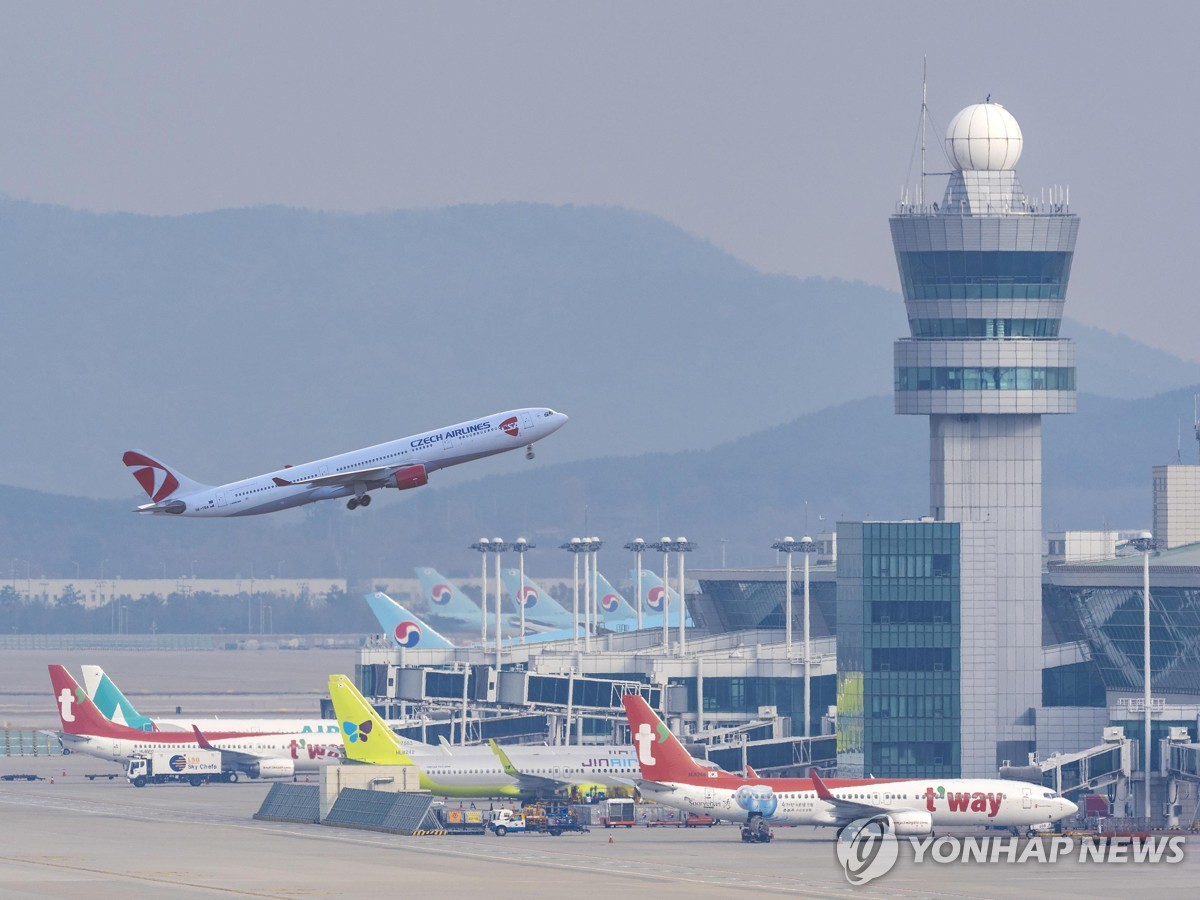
[
  {"x": 961, "y": 801},
  {"x": 307, "y": 752},
  {"x": 431, "y": 450}
]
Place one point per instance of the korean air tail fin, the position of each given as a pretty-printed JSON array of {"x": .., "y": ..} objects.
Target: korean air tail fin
[
  {"x": 159, "y": 480},
  {"x": 661, "y": 757},
  {"x": 539, "y": 606},
  {"x": 445, "y": 600},
  {"x": 76, "y": 710},
  {"x": 404, "y": 628},
  {"x": 111, "y": 702},
  {"x": 614, "y": 608},
  {"x": 366, "y": 736}
]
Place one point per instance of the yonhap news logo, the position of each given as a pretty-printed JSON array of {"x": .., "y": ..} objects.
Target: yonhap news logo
[{"x": 867, "y": 849}]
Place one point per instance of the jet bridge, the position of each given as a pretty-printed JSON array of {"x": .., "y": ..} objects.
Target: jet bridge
[
  {"x": 1181, "y": 766},
  {"x": 1088, "y": 771}
]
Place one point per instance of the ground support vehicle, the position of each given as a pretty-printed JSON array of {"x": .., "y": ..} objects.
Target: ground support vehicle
[
  {"x": 460, "y": 821},
  {"x": 196, "y": 767},
  {"x": 618, "y": 814},
  {"x": 539, "y": 818},
  {"x": 757, "y": 831}
]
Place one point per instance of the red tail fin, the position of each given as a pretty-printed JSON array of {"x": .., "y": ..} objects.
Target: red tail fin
[
  {"x": 77, "y": 712},
  {"x": 659, "y": 752}
]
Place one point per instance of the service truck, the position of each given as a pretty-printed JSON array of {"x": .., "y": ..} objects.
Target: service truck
[
  {"x": 193, "y": 766},
  {"x": 618, "y": 813},
  {"x": 540, "y": 818}
]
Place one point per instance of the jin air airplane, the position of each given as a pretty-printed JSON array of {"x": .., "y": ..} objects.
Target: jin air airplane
[
  {"x": 909, "y": 806},
  {"x": 518, "y": 771},
  {"x": 257, "y": 754},
  {"x": 402, "y": 464}
]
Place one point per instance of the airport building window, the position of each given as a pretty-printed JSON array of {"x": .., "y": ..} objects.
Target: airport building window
[
  {"x": 986, "y": 378},
  {"x": 984, "y": 275},
  {"x": 984, "y": 328}
]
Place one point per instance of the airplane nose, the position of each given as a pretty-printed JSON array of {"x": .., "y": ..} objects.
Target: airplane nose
[{"x": 1068, "y": 808}]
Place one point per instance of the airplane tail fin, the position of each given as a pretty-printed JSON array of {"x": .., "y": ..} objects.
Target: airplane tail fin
[
  {"x": 366, "y": 736},
  {"x": 76, "y": 710},
  {"x": 402, "y": 627},
  {"x": 661, "y": 756},
  {"x": 157, "y": 479},
  {"x": 111, "y": 702}
]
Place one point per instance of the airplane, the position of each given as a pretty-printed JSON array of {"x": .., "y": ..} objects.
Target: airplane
[
  {"x": 540, "y": 607},
  {"x": 115, "y": 706},
  {"x": 653, "y": 593},
  {"x": 478, "y": 772},
  {"x": 257, "y": 754},
  {"x": 615, "y": 612},
  {"x": 446, "y": 602},
  {"x": 402, "y": 464},
  {"x": 409, "y": 632},
  {"x": 909, "y": 806}
]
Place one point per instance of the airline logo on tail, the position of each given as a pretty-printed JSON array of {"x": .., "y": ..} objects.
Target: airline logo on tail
[
  {"x": 408, "y": 634},
  {"x": 509, "y": 426},
  {"x": 355, "y": 733},
  {"x": 610, "y": 602},
  {"x": 155, "y": 479},
  {"x": 529, "y": 596},
  {"x": 645, "y": 739},
  {"x": 67, "y": 700},
  {"x": 440, "y": 594},
  {"x": 654, "y": 599}
]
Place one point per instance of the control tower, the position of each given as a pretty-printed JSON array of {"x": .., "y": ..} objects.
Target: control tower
[{"x": 984, "y": 275}]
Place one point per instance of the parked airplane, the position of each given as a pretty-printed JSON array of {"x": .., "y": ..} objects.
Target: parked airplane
[
  {"x": 114, "y": 705},
  {"x": 654, "y": 596},
  {"x": 519, "y": 771},
  {"x": 540, "y": 607},
  {"x": 404, "y": 463},
  {"x": 447, "y": 603},
  {"x": 615, "y": 612},
  {"x": 85, "y": 730},
  {"x": 910, "y": 806},
  {"x": 409, "y": 632}
]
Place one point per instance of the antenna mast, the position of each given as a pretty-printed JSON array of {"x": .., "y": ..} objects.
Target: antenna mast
[
  {"x": 924, "y": 114},
  {"x": 1196, "y": 417}
]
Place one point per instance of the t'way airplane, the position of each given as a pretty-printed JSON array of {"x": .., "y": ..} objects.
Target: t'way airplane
[
  {"x": 910, "y": 806},
  {"x": 86, "y": 730},
  {"x": 403, "y": 464}
]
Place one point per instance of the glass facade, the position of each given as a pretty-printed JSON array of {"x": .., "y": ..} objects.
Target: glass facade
[
  {"x": 984, "y": 328},
  {"x": 898, "y": 649},
  {"x": 971, "y": 378},
  {"x": 984, "y": 274},
  {"x": 1075, "y": 684}
]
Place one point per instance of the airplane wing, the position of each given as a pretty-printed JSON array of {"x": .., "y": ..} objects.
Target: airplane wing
[
  {"x": 658, "y": 786},
  {"x": 524, "y": 781},
  {"x": 349, "y": 479},
  {"x": 236, "y": 758},
  {"x": 850, "y": 809}
]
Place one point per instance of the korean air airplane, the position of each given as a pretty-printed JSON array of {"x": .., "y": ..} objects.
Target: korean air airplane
[
  {"x": 540, "y": 607},
  {"x": 402, "y": 464},
  {"x": 654, "y": 596},
  {"x": 910, "y": 806},
  {"x": 446, "y": 602},
  {"x": 409, "y": 632},
  {"x": 615, "y": 612}
]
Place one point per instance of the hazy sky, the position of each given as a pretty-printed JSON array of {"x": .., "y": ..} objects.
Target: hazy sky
[{"x": 781, "y": 132}]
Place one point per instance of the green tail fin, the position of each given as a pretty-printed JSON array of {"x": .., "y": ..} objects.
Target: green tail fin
[{"x": 365, "y": 735}]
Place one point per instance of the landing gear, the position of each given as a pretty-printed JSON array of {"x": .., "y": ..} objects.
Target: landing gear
[
  {"x": 756, "y": 831},
  {"x": 529, "y": 452},
  {"x": 356, "y": 502},
  {"x": 352, "y": 503}
]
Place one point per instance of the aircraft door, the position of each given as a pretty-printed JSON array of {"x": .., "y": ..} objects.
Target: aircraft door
[
  {"x": 1026, "y": 799},
  {"x": 526, "y": 421},
  {"x": 220, "y": 498}
]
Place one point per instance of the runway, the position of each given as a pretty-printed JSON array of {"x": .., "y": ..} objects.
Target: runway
[{"x": 75, "y": 838}]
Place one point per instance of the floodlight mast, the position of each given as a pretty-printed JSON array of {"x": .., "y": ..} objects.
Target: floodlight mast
[
  {"x": 1145, "y": 543},
  {"x": 682, "y": 546},
  {"x": 498, "y": 546},
  {"x": 521, "y": 547},
  {"x": 637, "y": 545},
  {"x": 574, "y": 546},
  {"x": 483, "y": 545}
]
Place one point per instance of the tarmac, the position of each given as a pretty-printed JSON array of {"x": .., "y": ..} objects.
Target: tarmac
[{"x": 66, "y": 836}]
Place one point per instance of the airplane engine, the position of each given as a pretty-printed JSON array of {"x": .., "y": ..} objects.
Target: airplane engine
[
  {"x": 272, "y": 768},
  {"x": 411, "y": 477},
  {"x": 912, "y": 822}
]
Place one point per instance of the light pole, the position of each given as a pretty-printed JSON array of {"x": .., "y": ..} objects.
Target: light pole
[
  {"x": 682, "y": 546},
  {"x": 665, "y": 546},
  {"x": 787, "y": 546},
  {"x": 482, "y": 545},
  {"x": 593, "y": 546},
  {"x": 807, "y": 546},
  {"x": 498, "y": 547},
  {"x": 1145, "y": 543},
  {"x": 521, "y": 547},
  {"x": 637, "y": 545},
  {"x": 574, "y": 546},
  {"x": 586, "y": 545}
]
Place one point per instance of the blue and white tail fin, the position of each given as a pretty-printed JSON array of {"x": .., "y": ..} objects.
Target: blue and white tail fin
[
  {"x": 445, "y": 600},
  {"x": 402, "y": 627},
  {"x": 655, "y": 596},
  {"x": 111, "y": 702},
  {"x": 615, "y": 611},
  {"x": 540, "y": 607}
]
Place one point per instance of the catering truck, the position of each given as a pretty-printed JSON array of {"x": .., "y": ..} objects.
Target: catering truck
[{"x": 193, "y": 766}]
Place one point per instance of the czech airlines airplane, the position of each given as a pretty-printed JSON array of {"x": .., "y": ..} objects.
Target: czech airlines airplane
[
  {"x": 910, "y": 806},
  {"x": 403, "y": 464},
  {"x": 409, "y": 632},
  {"x": 85, "y": 730},
  {"x": 478, "y": 771}
]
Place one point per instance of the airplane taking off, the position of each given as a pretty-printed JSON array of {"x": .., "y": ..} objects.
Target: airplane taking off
[
  {"x": 910, "y": 806},
  {"x": 409, "y": 632},
  {"x": 402, "y": 464}
]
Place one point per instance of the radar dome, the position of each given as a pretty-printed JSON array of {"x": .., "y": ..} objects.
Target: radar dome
[{"x": 984, "y": 136}]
